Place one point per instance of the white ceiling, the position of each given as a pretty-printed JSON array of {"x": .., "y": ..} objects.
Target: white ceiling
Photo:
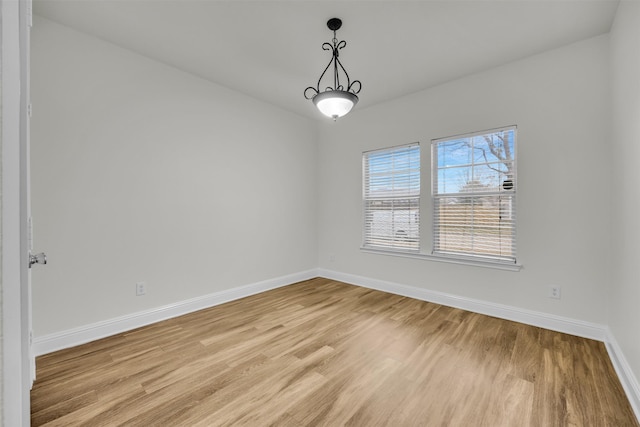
[{"x": 271, "y": 50}]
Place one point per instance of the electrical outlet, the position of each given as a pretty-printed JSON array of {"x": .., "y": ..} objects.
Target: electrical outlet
[
  {"x": 141, "y": 288},
  {"x": 554, "y": 292},
  {"x": 332, "y": 257}
]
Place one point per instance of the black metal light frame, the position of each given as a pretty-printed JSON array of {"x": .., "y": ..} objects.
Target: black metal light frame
[{"x": 337, "y": 90}]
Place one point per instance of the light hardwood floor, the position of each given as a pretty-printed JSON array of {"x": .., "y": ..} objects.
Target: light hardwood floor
[{"x": 326, "y": 353}]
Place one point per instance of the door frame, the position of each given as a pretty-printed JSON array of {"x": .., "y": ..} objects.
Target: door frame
[{"x": 16, "y": 359}]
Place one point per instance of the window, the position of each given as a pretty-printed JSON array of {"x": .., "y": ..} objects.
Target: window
[
  {"x": 391, "y": 198},
  {"x": 474, "y": 195}
]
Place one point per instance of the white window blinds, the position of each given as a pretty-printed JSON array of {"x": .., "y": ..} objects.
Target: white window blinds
[
  {"x": 474, "y": 195},
  {"x": 391, "y": 198}
]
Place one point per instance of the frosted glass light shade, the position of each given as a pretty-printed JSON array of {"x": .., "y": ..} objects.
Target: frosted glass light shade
[{"x": 335, "y": 103}]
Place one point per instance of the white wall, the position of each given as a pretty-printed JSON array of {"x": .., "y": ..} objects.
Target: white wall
[
  {"x": 560, "y": 102},
  {"x": 624, "y": 288},
  {"x": 141, "y": 172}
]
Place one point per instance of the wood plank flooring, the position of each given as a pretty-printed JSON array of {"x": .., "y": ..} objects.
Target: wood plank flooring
[{"x": 324, "y": 353}]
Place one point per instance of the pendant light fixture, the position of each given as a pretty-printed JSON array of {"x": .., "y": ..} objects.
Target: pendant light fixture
[{"x": 337, "y": 100}]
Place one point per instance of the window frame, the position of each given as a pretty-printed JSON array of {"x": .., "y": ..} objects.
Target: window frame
[
  {"x": 476, "y": 257},
  {"x": 366, "y": 245},
  {"x": 420, "y": 254}
]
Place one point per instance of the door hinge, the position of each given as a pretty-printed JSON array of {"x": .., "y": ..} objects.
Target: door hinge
[
  {"x": 30, "y": 14},
  {"x": 29, "y": 110}
]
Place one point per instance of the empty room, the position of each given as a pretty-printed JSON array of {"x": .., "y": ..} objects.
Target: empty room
[{"x": 364, "y": 213}]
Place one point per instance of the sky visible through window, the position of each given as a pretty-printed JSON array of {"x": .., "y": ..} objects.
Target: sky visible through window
[{"x": 478, "y": 163}]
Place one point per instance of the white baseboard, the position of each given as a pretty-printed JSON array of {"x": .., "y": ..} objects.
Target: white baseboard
[
  {"x": 73, "y": 337},
  {"x": 544, "y": 320},
  {"x": 627, "y": 378}
]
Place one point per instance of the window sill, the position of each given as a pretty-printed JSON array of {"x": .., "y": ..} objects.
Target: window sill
[{"x": 449, "y": 259}]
